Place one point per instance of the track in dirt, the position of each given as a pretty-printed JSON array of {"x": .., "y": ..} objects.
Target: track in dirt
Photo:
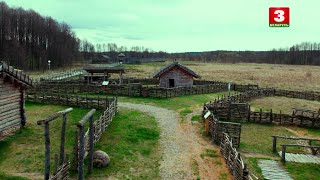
[{"x": 182, "y": 147}]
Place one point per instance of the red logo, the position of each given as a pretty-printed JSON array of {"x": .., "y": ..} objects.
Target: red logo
[{"x": 279, "y": 17}]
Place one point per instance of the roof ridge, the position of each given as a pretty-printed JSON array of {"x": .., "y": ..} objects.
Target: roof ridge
[{"x": 168, "y": 67}]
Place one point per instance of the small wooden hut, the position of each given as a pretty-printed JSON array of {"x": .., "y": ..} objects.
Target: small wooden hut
[
  {"x": 13, "y": 83},
  {"x": 176, "y": 75}
]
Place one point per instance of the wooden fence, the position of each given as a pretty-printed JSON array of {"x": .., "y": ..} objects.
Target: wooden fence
[
  {"x": 227, "y": 136},
  {"x": 84, "y": 141},
  {"x": 233, "y": 108},
  {"x": 99, "y": 102},
  {"x": 217, "y": 128},
  {"x": 62, "y": 166},
  {"x": 233, "y": 159},
  {"x": 129, "y": 89},
  {"x": 63, "y": 75}
]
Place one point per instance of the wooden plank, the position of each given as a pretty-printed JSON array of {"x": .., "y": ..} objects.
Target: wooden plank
[
  {"x": 10, "y": 95},
  {"x": 9, "y": 107},
  {"x": 3, "y": 115},
  {"x": 10, "y": 123},
  {"x": 9, "y": 101}
]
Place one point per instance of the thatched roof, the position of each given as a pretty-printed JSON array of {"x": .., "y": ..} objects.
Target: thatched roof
[{"x": 178, "y": 65}]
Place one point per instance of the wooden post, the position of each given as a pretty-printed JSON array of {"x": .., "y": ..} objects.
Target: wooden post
[
  {"x": 81, "y": 153},
  {"x": 260, "y": 115},
  {"x": 47, "y": 151},
  {"x": 274, "y": 144},
  {"x": 22, "y": 108},
  {"x": 98, "y": 101},
  {"x": 121, "y": 78},
  {"x": 63, "y": 134},
  {"x": 91, "y": 143},
  {"x": 283, "y": 157},
  {"x": 76, "y": 150}
]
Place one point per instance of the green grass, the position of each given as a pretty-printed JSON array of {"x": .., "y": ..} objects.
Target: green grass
[
  {"x": 196, "y": 118},
  {"x": 132, "y": 144},
  {"x": 223, "y": 176},
  {"x": 6, "y": 177},
  {"x": 252, "y": 164},
  {"x": 256, "y": 138},
  {"x": 301, "y": 171},
  {"x": 209, "y": 153},
  {"x": 185, "y": 112},
  {"x": 176, "y": 103},
  {"x": 23, "y": 152}
]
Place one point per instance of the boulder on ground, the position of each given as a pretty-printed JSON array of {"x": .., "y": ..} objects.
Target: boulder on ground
[{"x": 100, "y": 159}]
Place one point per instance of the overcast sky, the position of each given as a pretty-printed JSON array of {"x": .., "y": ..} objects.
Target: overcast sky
[{"x": 183, "y": 25}]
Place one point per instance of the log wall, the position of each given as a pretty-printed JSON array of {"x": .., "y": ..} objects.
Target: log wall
[{"x": 10, "y": 106}]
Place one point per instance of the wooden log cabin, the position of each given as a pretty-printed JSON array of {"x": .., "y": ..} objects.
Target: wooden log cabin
[
  {"x": 176, "y": 75},
  {"x": 13, "y": 83}
]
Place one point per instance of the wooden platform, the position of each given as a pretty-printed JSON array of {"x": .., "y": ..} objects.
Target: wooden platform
[
  {"x": 301, "y": 158},
  {"x": 272, "y": 170}
]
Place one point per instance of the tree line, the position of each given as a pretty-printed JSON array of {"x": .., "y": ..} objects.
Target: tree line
[
  {"x": 306, "y": 53},
  {"x": 28, "y": 40},
  {"x": 112, "y": 50}
]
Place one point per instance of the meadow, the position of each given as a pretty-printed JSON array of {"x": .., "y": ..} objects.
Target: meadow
[{"x": 291, "y": 77}]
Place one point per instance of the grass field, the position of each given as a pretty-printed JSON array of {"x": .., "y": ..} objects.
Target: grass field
[
  {"x": 24, "y": 151},
  {"x": 132, "y": 144},
  {"x": 284, "y": 104},
  {"x": 292, "y": 77},
  {"x": 22, "y": 154}
]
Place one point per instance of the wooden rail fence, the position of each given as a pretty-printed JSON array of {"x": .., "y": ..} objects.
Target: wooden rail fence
[
  {"x": 99, "y": 102},
  {"x": 84, "y": 141},
  {"x": 234, "y": 108},
  {"x": 234, "y": 160},
  {"x": 62, "y": 166},
  {"x": 129, "y": 89}
]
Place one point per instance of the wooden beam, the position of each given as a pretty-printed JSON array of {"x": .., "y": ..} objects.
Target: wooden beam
[{"x": 54, "y": 116}]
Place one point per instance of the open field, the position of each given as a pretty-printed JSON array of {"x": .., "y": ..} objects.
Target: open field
[
  {"x": 284, "y": 104},
  {"x": 291, "y": 77}
]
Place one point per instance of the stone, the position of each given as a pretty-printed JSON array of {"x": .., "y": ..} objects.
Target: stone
[{"x": 100, "y": 159}]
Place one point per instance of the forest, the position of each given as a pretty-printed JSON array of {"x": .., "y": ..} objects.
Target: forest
[{"x": 28, "y": 40}]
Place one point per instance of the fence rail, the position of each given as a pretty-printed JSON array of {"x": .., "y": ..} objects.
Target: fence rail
[
  {"x": 232, "y": 108},
  {"x": 130, "y": 89},
  {"x": 100, "y": 103},
  {"x": 85, "y": 140}
]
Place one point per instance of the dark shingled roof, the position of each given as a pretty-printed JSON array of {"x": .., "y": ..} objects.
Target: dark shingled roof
[{"x": 178, "y": 65}]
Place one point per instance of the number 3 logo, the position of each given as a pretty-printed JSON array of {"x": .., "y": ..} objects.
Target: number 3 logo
[{"x": 280, "y": 17}]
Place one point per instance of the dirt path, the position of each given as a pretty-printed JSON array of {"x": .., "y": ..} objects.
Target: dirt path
[{"x": 183, "y": 147}]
